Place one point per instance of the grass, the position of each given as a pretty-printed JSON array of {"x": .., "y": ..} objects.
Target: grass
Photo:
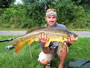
[{"x": 8, "y": 58}]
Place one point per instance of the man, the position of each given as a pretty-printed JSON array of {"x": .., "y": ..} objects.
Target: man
[{"x": 48, "y": 53}]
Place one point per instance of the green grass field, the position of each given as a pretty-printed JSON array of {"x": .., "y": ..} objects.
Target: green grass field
[{"x": 8, "y": 58}]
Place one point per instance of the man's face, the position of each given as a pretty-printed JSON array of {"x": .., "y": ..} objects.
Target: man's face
[{"x": 51, "y": 20}]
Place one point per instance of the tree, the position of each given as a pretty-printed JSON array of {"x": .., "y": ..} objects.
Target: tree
[
  {"x": 5, "y": 3},
  {"x": 81, "y": 2},
  {"x": 36, "y": 10},
  {"x": 68, "y": 12},
  {"x": 32, "y": 14}
]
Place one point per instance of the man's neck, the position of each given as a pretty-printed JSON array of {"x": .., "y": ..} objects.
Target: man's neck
[{"x": 52, "y": 26}]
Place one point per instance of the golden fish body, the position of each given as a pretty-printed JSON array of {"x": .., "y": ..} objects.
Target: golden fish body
[{"x": 33, "y": 35}]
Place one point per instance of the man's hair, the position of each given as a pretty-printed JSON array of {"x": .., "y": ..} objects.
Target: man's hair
[{"x": 51, "y": 12}]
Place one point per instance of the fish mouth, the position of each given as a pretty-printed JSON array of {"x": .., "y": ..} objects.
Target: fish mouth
[{"x": 76, "y": 38}]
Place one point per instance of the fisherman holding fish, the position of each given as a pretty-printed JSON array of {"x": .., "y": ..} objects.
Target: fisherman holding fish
[
  {"x": 48, "y": 53},
  {"x": 54, "y": 40}
]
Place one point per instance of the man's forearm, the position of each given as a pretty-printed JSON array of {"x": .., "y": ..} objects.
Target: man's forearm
[
  {"x": 68, "y": 44},
  {"x": 46, "y": 50}
]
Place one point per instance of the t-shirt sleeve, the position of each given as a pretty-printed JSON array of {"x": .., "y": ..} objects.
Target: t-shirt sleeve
[{"x": 61, "y": 26}]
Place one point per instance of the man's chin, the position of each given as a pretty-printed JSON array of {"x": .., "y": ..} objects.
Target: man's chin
[{"x": 51, "y": 25}]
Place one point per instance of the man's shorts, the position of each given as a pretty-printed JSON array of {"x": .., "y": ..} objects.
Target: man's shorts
[{"x": 51, "y": 55}]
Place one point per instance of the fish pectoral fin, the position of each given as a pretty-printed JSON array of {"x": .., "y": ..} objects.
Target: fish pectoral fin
[
  {"x": 47, "y": 44},
  {"x": 76, "y": 38},
  {"x": 61, "y": 45},
  {"x": 19, "y": 46},
  {"x": 65, "y": 39},
  {"x": 29, "y": 42},
  {"x": 62, "y": 42}
]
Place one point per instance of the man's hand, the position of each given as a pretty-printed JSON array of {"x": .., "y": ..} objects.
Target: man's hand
[
  {"x": 43, "y": 38},
  {"x": 71, "y": 40}
]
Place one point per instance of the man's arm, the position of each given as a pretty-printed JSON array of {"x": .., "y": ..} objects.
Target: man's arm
[{"x": 44, "y": 39}]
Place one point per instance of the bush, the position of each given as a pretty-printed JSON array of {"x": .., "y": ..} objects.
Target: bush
[
  {"x": 14, "y": 18},
  {"x": 69, "y": 14},
  {"x": 32, "y": 14}
]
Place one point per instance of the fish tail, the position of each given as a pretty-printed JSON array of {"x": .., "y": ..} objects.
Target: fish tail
[{"x": 61, "y": 46}]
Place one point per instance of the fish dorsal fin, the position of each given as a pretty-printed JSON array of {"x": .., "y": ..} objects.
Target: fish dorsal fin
[{"x": 35, "y": 28}]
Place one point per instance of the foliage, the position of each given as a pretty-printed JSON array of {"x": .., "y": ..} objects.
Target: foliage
[
  {"x": 5, "y": 3},
  {"x": 68, "y": 12},
  {"x": 14, "y": 17},
  {"x": 1, "y": 3},
  {"x": 81, "y": 2},
  {"x": 36, "y": 11},
  {"x": 1, "y": 11},
  {"x": 32, "y": 14}
]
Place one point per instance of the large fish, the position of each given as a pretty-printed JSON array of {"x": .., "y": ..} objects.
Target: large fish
[{"x": 33, "y": 35}]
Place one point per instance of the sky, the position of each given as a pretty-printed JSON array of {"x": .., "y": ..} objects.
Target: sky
[{"x": 18, "y": 2}]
